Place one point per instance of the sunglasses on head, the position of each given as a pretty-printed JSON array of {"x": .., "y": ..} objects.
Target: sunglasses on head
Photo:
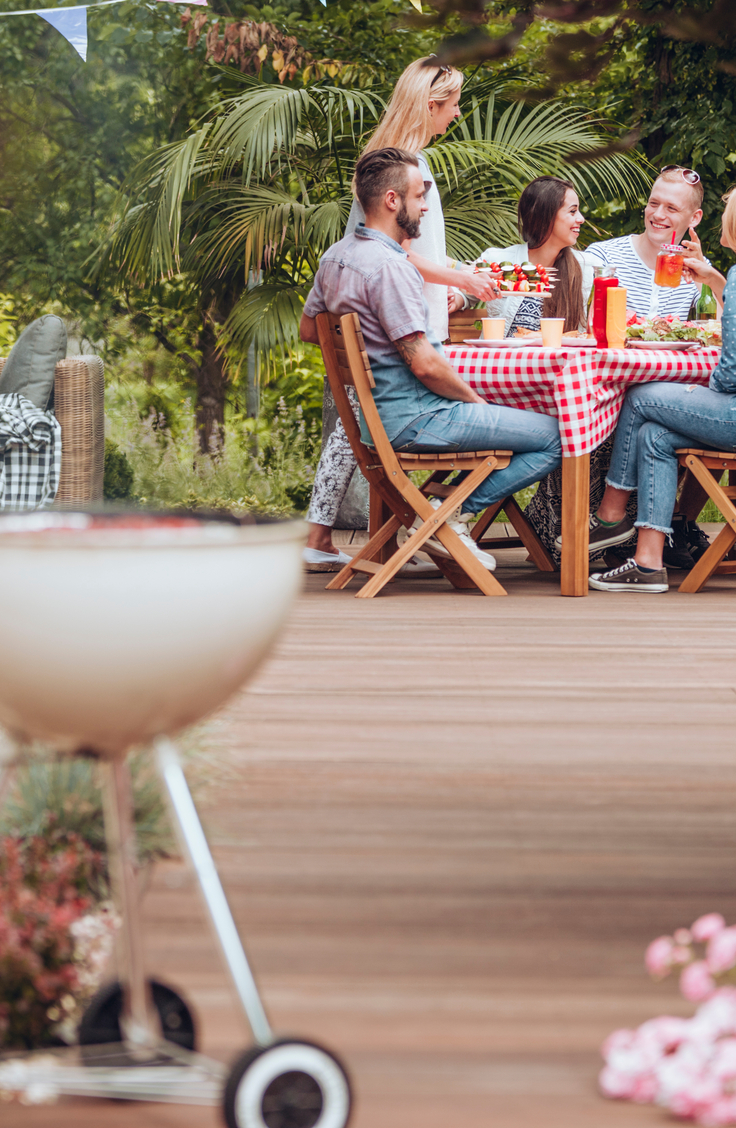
[
  {"x": 688, "y": 174},
  {"x": 440, "y": 71}
]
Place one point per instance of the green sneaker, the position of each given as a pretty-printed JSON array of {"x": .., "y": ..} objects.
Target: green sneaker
[
  {"x": 629, "y": 577},
  {"x": 603, "y": 536}
]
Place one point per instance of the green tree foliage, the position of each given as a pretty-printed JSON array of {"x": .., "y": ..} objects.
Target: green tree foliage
[{"x": 69, "y": 134}]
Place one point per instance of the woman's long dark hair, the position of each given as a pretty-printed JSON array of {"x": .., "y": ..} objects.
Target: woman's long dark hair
[{"x": 538, "y": 207}]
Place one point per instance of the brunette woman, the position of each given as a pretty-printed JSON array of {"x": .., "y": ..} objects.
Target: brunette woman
[{"x": 549, "y": 222}]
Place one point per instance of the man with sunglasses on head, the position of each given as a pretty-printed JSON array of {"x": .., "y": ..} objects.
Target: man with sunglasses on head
[{"x": 673, "y": 211}]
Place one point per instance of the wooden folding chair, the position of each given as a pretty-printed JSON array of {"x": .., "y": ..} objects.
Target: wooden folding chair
[
  {"x": 347, "y": 364},
  {"x": 462, "y": 325},
  {"x": 705, "y": 469}
]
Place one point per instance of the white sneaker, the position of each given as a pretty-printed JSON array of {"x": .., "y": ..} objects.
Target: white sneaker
[
  {"x": 458, "y": 522},
  {"x": 416, "y": 567}
]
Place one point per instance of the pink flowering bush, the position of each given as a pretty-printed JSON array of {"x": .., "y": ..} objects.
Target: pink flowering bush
[
  {"x": 44, "y": 890},
  {"x": 687, "y": 1065}
]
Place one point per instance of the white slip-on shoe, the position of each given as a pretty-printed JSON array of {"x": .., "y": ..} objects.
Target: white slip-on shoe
[
  {"x": 458, "y": 522},
  {"x": 316, "y": 561}
]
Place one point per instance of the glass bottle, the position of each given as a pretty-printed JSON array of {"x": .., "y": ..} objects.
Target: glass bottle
[
  {"x": 601, "y": 287},
  {"x": 706, "y": 308}
]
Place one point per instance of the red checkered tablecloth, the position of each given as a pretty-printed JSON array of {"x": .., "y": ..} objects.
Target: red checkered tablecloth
[{"x": 584, "y": 388}]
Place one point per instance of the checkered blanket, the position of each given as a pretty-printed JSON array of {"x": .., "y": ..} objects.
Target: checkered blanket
[
  {"x": 30, "y": 454},
  {"x": 584, "y": 388}
]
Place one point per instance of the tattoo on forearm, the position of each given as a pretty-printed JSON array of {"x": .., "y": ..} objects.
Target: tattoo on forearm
[{"x": 408, "y": 347}]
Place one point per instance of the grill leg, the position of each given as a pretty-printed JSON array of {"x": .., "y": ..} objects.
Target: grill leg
[
  {"x": 192, "y": 839},
  {"x": 136, "y": 1021}
]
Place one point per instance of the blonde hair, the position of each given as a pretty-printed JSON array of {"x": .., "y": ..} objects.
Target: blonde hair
[
  {"x": 407, "y": 122},
  {"x": 729, "y": 218}
]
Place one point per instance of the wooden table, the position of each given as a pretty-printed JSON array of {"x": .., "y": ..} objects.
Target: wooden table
[{"x": 585, "y": 389}]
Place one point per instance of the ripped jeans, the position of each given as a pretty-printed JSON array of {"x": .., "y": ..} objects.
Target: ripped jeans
[{"x": 655, "y": 421}]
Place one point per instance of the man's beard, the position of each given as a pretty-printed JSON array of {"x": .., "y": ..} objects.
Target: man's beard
[{"x": 410, "y": 227}]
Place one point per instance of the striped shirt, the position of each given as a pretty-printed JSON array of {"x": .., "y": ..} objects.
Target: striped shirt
[{"x": 641, "y": 294}]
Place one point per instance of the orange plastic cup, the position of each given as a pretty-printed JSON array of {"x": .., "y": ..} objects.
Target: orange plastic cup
[{"x": 668, "y": 271}]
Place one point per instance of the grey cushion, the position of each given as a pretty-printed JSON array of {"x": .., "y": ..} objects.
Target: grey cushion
[{"x": 32, "y": 360}]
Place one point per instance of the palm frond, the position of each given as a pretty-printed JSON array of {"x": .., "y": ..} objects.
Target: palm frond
[
  {"x": 471, "y": 226},
  {"x": 145, "y": 240},
  {"x": 260, "y": 126},
  {"x": 267, "y": 317},
  {"x": 503, "y": 156}
]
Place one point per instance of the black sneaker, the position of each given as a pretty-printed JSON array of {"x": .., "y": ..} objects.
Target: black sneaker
[
  {"x": 676, "y": 552},
  {"x": 603, "y": 536},
  {"x": 698, "y": 541},
  {"x": 629, "y": 577}
]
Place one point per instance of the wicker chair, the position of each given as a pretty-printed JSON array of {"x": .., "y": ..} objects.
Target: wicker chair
[{"x": 79, "y": 395}]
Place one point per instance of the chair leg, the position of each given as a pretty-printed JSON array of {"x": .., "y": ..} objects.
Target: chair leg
[
  {"x": 706, "y": 566},
  {"x": 529, "y": 537},
  {"x": 692, "y": 497},
  {"x": 374, "y": 547},
  {"x": 487, "y": 517}
]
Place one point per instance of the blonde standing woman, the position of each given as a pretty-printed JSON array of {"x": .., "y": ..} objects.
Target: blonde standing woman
[{"x": 425, "y": 101}]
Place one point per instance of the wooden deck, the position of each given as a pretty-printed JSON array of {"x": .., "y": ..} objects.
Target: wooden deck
[{"x": 449, "y": 826}]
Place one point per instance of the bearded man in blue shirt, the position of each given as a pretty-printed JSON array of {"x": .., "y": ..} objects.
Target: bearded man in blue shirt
[{"x": 424, "y": 405}]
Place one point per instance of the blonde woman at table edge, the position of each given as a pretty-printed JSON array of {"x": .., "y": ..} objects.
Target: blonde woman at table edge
[
  {"x": 655, "y": 421},
  {"x": 549, "y": 223},
  {"x": 424, "y": 103}
]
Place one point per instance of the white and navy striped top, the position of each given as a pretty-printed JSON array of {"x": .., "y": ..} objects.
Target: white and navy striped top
[{"x": 641, "y": 294}]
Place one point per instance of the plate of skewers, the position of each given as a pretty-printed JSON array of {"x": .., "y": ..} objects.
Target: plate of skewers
[{"x": 517, "y": 279}]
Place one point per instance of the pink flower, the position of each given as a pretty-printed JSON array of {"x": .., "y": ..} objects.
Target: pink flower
[
  {"x": 683, "y": 936},
  {"x": 696, "y": 982},
  {"x": 618, "y": 1040},
  {"x": 721, "y": 950},
  {"x": 705, "y": 927},
  {"x": 720, "y": 1112},
  {"x": 644, "y": 1089},
  {"x": 665, "y": 1032},
  {"x": 616, "y": 1086},
  {"x": 658, "y": 958}
]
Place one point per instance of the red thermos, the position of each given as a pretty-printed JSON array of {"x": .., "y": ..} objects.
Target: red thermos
[{"x": 600, "y": 290}]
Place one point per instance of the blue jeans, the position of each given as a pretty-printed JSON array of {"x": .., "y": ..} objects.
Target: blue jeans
[
  {"x": 655, "y": 421},
  {"x": 534, "y": 438}
]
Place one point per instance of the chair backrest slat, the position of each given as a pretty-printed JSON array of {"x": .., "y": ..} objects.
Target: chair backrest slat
[
  {"x": 339, "y": 374},
  {"x": 364, "y": 384},
  {"x": 462, "y": 325},
  {"x": 341, "y": 336}
]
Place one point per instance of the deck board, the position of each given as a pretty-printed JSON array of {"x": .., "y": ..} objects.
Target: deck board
[{"x": 460, "y": 908}]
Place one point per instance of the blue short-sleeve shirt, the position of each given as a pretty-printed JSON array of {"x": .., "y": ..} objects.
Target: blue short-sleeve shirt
[{"x": 368, "y": 273}]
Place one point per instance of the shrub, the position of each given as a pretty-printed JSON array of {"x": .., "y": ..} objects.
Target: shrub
[
  {"x": 61, "y": 799},
  {"x": 45, "y": 885},
  {"x": 118, "y": 481},
  {"x": 266, "y": 467}
]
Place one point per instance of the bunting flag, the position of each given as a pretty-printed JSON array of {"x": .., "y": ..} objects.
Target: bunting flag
[{"x": 72, "y": 22}]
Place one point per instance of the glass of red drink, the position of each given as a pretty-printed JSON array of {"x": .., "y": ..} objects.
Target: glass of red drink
[{"x": 668, "y": 271}]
